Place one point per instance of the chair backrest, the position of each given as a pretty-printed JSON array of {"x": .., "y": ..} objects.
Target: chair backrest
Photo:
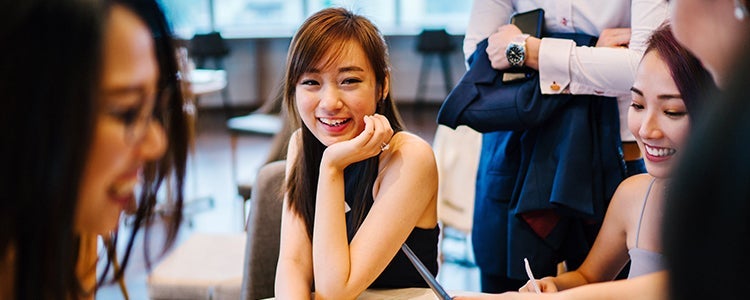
[
  {"x": 435, "y": 41},
  {"x": 263, "y": 232},
  {"x": 208, "y": 46}
]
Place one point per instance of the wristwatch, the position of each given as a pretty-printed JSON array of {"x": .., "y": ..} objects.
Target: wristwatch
[{"x": 516, "y": 51}]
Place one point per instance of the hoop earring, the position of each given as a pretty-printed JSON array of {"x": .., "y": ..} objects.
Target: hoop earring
[{"x": 740, "y": 10}]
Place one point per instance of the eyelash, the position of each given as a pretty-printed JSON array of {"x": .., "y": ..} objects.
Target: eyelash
[
  {"x": 637, "y": 107},
  {"x": 675, "y": 113},
  {"x": 351, "y": 81},
  {"x": 345, "y": 81},
  {"x": 128, "y": 116}
]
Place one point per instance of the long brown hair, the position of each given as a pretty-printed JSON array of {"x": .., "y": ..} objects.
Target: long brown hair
[
  {"x": 49, "y": 82},
  {"x": 325, "y": 32}
]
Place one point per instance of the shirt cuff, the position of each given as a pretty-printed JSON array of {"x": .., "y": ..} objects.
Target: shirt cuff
[{"x": 554, "y": 65}]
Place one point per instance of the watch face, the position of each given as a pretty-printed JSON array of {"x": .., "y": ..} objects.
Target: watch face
[{"x": 515, "y": 54}]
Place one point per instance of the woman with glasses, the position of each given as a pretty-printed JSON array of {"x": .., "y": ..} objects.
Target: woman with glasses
[{"x": 93, "y": 125}]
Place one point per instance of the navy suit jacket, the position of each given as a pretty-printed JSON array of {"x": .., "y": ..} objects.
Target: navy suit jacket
[{"x": 558, "y": 153}]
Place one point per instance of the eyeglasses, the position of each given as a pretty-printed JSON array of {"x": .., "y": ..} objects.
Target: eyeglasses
[{"x": 134, "y": 109}]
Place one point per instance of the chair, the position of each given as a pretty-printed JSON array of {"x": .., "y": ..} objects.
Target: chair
[
  {"x": 268, "y": 120},
  {"x": 198, "y": 267},
  {"x": 263, "y": 233},
  {"x": 430, "y": 43},
  {"x": 211, "y": 47}
]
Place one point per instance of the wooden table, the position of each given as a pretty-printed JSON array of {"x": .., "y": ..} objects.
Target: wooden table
[{"x": 406, "y": 293}]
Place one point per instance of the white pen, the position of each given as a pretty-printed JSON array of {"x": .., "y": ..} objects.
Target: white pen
[{"x": 531, "y": 276}]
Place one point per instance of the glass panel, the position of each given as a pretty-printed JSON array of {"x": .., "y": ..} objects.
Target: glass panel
[
  {"x": 281, "y": 18},
  {"x": 257, "y": 17},
  {"x": 381, "y": 12},
  {"x": 450, "y": 14},
  {"x": 187, "y": 17}
]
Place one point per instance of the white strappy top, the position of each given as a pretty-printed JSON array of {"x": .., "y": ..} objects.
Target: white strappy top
[{"x": 644, "y": 261}]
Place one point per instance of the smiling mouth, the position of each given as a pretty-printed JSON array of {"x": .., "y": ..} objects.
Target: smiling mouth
[
  {"x": 334, "y": 122},
  {"x": 660, "y": 152},
  {"x": 123, "y": 192}
]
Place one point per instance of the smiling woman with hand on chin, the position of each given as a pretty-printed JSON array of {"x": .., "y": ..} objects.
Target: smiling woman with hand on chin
[{"x": 357, "y": 185}]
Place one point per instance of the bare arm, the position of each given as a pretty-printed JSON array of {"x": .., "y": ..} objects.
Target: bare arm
[
  {"x": 406, "y": 192},
  {"x": 647, "y": 287},
  {"x": 294, "y": 269},
  {"x": 609, "y": 253}
]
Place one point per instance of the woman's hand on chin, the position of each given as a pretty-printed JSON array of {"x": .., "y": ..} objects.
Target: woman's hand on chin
[{"x": 370, "y": 142}]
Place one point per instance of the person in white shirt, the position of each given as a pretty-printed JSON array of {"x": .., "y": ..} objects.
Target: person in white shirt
[{"x": 564, "y": 67}]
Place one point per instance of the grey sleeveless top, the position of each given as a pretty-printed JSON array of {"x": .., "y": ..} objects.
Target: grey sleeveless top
[{"x": 644, "y": 261}]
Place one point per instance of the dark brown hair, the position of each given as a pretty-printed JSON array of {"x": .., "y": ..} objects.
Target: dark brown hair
[
  {"x": 692, "y": 79},
  {"x": 707, "y": 213},
  {"x": 323, "y": 33},
  {"x": 50, "y": 79}
]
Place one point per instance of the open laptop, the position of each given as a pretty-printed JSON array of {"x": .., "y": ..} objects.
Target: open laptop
[{"x": 426, "y": 275}]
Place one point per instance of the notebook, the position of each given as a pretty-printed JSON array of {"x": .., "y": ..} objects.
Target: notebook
[{"x": 426, "y": 275}]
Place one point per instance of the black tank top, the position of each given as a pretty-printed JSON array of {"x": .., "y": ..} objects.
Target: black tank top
[{"x": 400, "y": 273}]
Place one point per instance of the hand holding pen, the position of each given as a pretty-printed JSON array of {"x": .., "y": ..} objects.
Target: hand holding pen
[
  {"x": 545, "y": 285},
  {"x": 532, "y": 280}
]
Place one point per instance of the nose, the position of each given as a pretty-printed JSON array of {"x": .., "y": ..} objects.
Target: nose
[
  {"x": 650, "y": 128},
  {"x": 154, "y": 142},
  {"x": 330, "y": 99}
]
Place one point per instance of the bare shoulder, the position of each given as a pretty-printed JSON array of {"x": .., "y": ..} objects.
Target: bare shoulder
[
  {"x": 409, "y": 142},
  {"x": 625, "y": 204},
  {"x": 411, "y": 153},
  {"x": 631, "y": 189},
  {"x": 637, "y": 183},
  {"x": 411, "y": 147}
]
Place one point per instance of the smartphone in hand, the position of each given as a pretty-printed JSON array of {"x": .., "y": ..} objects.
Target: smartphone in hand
[{"x": 531, "y": 23}]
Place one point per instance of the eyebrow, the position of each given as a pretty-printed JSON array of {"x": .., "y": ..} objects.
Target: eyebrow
[
  {"x": 660, "y": 97},
  {"x": 341, "y": 70},
  {"x": 125, "y": 90}
]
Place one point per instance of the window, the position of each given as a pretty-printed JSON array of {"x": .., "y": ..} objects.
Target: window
[
  {"x": 382, "y": 13},
  {"x": 280, "y": 18},
  {"x": 257, "y": 17},
  {"x": 188, "y": 17},
  {"x": 450, "y": 14}
]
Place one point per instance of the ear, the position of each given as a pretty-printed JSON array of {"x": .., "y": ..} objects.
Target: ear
[{"x": 386, "y": 87}]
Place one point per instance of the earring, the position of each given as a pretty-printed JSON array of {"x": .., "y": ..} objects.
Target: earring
[{"x": 740, "y": 10}]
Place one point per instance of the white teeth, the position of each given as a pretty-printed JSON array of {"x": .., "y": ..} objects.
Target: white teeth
[
  {"x": 660, "y": 152},
  {"x": 333, "y": 122}
]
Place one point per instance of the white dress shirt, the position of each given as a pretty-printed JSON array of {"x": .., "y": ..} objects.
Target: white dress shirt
[{"x": 579, "y": 70}]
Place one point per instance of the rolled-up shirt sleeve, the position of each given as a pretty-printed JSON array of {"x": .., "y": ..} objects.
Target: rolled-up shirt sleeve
[
  {"x": 565, "y": 67},
  {"x": 486, "y": 17}
]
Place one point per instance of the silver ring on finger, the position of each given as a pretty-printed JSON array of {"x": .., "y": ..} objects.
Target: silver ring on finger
[{"x": 384, "y": 146}]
